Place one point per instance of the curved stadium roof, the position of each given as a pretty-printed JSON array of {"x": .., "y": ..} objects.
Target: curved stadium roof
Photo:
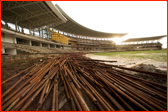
[
  {"x": 32, "y": 14},
  {"x": 73, "y": 27},
  {"x": 35, "y": 14},
  {"x": 145, "y": 38}
]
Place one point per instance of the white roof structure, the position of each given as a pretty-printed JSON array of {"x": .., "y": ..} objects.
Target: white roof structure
[{"x": 35, "y": 14}]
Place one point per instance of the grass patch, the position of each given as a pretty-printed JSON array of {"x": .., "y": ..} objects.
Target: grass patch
[{"x": 157, "y": 55}]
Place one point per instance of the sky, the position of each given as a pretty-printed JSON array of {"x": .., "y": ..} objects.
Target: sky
[{"x": 137, "y": 18}]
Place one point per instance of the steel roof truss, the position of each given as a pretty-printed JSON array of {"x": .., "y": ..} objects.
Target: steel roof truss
[{"x": 16, "y": 4}]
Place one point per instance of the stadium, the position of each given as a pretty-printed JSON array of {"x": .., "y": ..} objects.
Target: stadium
[{"x": 77, "y": 82}]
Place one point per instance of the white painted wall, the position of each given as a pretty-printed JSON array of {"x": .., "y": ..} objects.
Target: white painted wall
[
  {"x": 14, "y": 40},
  {"x": 2, "y": 49},
  {"x": 10, "y": 38},
  {"x": 2, "y": 37},
  {"x": 11, "y": 51}
]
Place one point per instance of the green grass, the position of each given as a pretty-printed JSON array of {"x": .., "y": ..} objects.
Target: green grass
[{"x": 157, "y": 55}]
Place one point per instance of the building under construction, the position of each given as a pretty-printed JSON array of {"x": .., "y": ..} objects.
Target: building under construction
[{"x": 87, "y": 84}]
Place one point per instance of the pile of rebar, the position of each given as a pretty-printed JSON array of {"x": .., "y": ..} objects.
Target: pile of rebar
[{"x": 109, "y": 87}]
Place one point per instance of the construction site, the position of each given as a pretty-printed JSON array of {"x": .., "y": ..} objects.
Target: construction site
[{"x": 56, "y": 66}]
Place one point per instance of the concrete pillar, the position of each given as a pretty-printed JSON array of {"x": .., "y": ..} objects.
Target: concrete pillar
[
  {"x": 2, "y": 50},
  {"x": 14, "y": 40},
  {"x": 22, "y": 30},
  {"x": 42, "y": 32},
  {"x": 39, "y": 32},
  {"x": 16, "y": 26},
  {"x": 40, "y": 44},
  {"x": 6, "y": 25},
  {"x": 48, "y": 33},
  {"x": 30, "y": 30},
  {"x": 30, "y": 43},
  {"x": 33, "y": 32},
  {"x": 48, "y": 45}
]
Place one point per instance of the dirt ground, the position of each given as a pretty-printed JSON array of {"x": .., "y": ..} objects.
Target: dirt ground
[
  {"x": 128, "y": 61},
  {"x": 151, "y": 66}
]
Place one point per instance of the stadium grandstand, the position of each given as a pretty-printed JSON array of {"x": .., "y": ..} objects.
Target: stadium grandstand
[
  {"x": 145, "y": 43},
  {"x": 51, "y": 30},
  {"x": 49, "y": 62}
]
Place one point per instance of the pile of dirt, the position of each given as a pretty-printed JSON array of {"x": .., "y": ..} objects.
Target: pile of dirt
[{"x": 150, "y": 68}]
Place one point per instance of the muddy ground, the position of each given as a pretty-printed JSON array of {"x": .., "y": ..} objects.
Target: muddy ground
[
  {"x": 10, "y": 69},
  {"x": 129, "y": 61}
]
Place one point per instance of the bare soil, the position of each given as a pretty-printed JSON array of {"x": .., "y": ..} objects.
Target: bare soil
[
  {"x": 147, "y": 66},
  {"x": 127, "y": 61}
]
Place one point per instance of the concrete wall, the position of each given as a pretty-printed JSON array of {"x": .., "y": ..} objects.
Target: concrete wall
[
  {"x": 11, "y": 51},
  {"x": 2, "y": 37},
  {"x": 67, "y": 47},
  {"x": 7, "y": 58},
  {"x": 2, "y": 49},
  {"x": 10, "y": 38}
]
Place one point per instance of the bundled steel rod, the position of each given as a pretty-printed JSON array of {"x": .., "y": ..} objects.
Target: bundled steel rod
[{"x": 110, "y": 89}]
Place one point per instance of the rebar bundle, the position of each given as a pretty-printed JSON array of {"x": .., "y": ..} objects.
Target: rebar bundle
[{"x": 107, "y": 86}]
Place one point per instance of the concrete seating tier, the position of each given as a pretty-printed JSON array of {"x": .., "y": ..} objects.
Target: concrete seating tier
[{"x": 7, "y": 45}]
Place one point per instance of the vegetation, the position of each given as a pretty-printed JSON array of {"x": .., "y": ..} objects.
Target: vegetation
[{"x": 157, "y": 55}]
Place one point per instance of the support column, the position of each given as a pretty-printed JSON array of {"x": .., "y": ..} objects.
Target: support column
[
  {"x": 22, "y": 30},
  {"x": 30, "y": 43},
  {"x": 30, "y": 30},
  {"x": 47, "y": 32},
  {"x": 42, "y": 32},
  {"x": 16, "y": 26},
  {"x": 40, "y": 44},
  {"x": 6, "y": 25},
  {"x": 48, "y": 45},
  {"x": 33, "y": 33},
  {"x": 39, "y": 33},
  {"x": 2, "y": 50},
  {"x": 14, "y": 40}
]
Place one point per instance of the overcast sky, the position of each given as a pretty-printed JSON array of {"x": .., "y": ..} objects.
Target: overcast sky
[{"x": 137, "y": 18}]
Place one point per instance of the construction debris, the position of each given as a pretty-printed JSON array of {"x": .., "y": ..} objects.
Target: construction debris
[{"x": 106, "y": 85}]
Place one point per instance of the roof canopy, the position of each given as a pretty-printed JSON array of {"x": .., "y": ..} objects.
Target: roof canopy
[
  {"x": 32, "y": 14},
  {"x": 145, "y": 38},
  {"x": 35, "y": 14},
  {"x": 73, "y": 27}
]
